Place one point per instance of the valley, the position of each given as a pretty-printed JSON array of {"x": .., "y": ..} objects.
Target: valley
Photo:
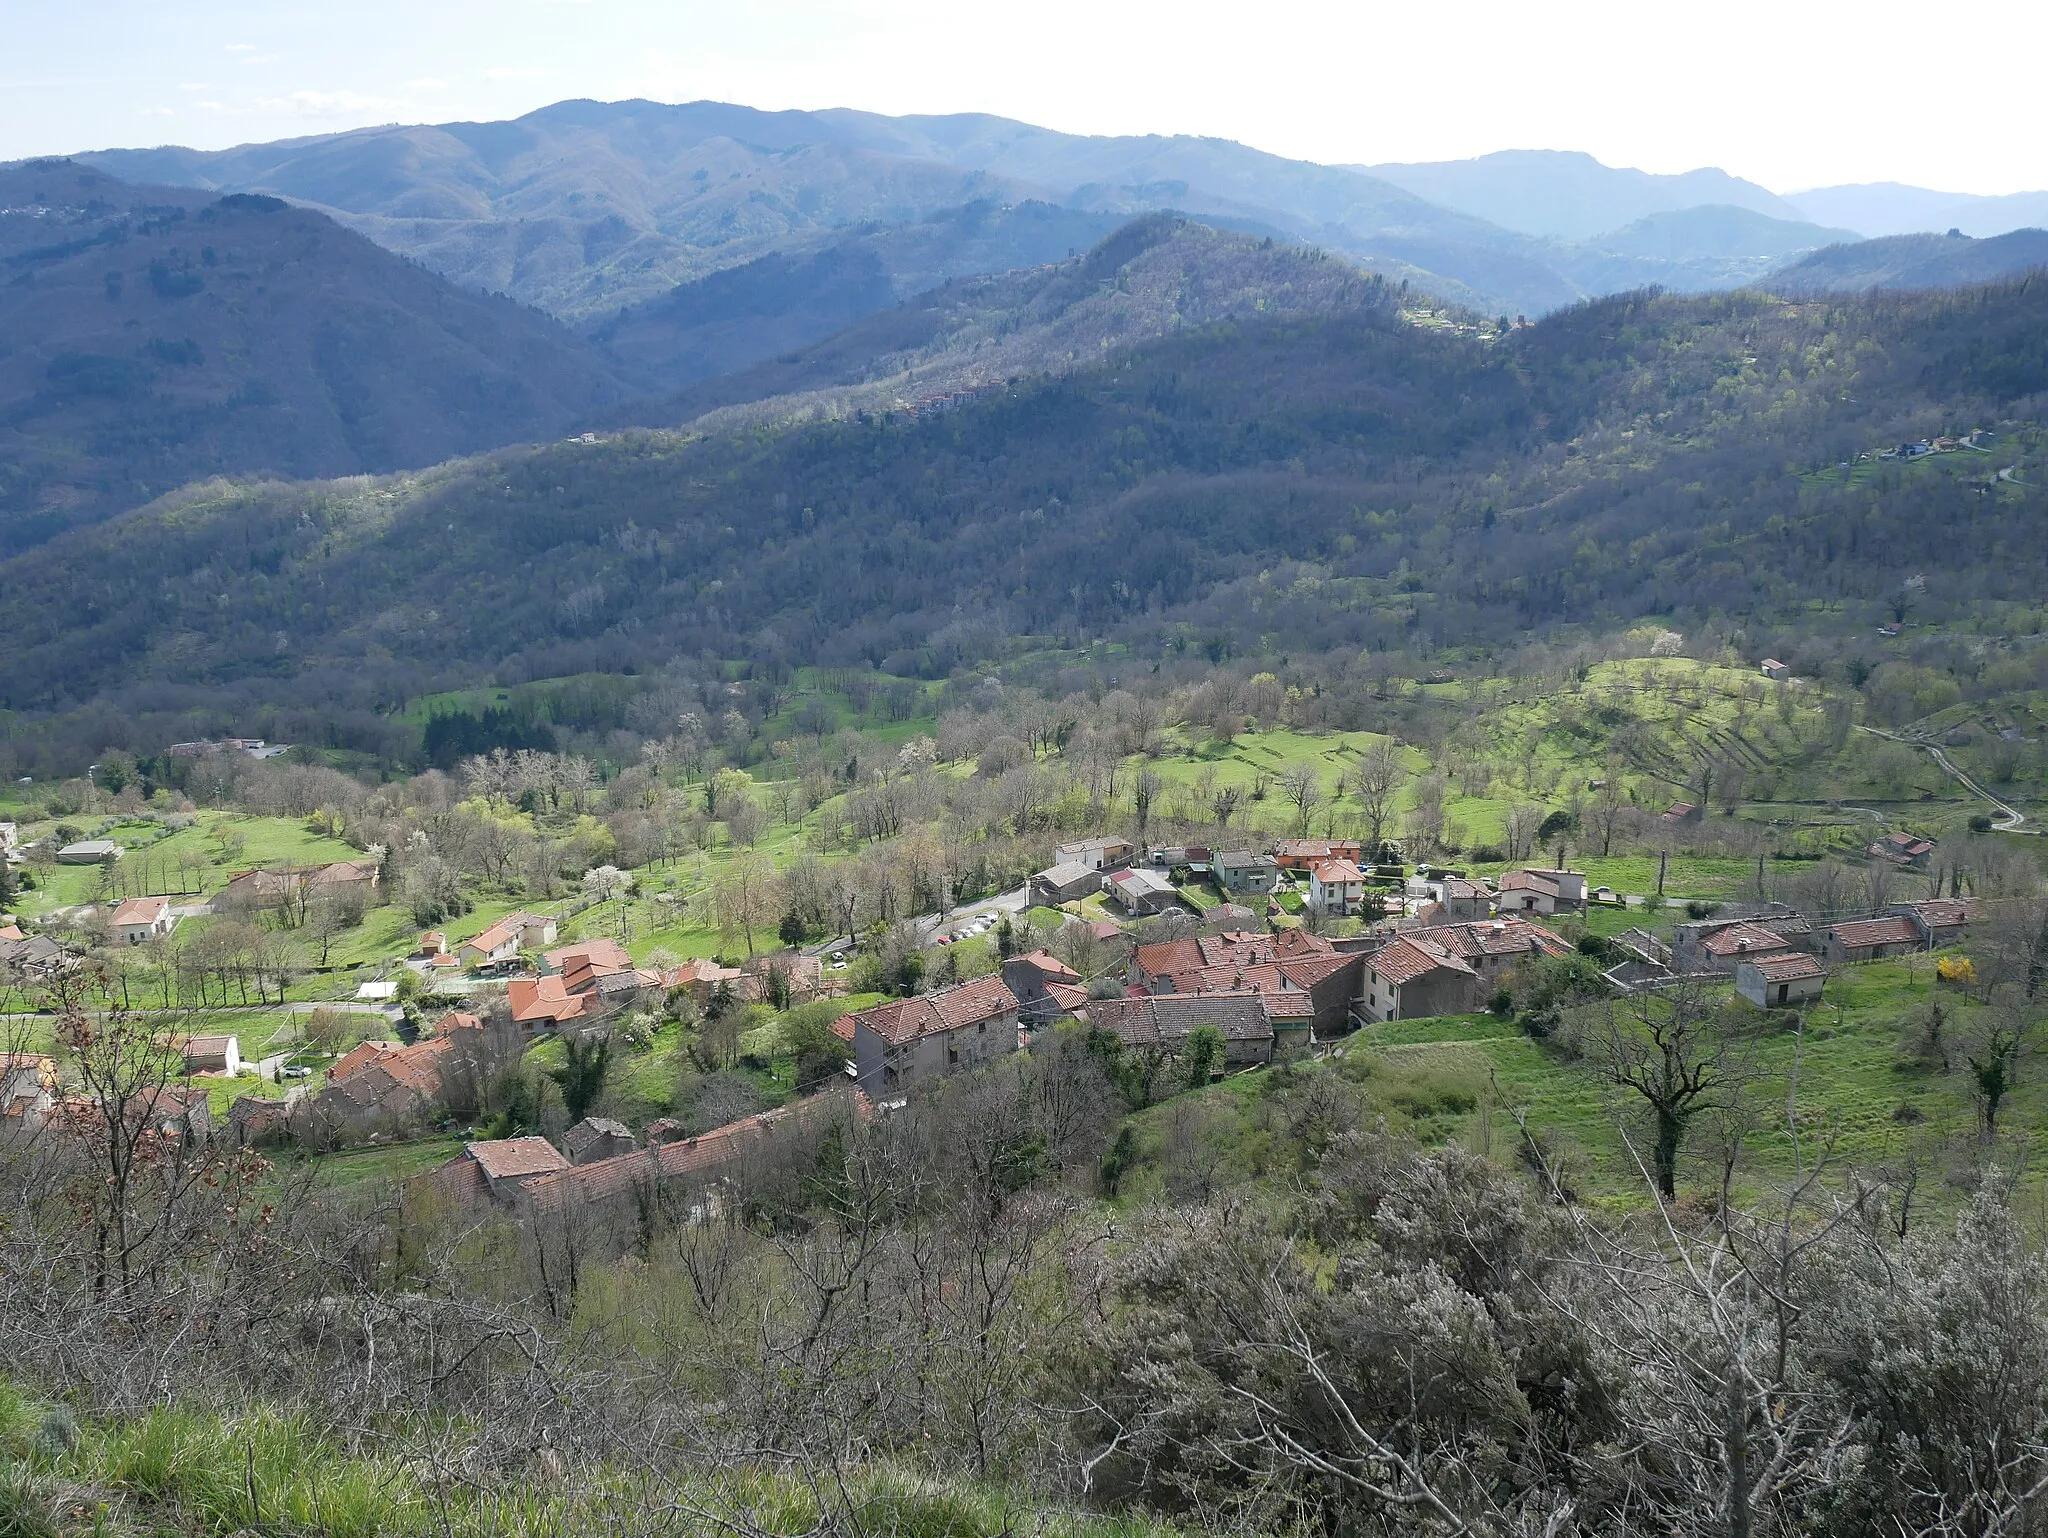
[{"x": 720, "y": 821}]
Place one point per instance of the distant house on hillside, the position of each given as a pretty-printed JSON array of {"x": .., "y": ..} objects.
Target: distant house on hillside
[
  {"x": 1164, "y": 1023},
  {"x": 501, "y": 944},
  {"x": 1904, "y": 849},
  {"x": 1773, "y": 669},
  {"x": 140, "y": 919},
  {"x": 1308, "y": 853},
  {"x": 1940, "y": 920},
  {"x": 1029, "y": 977},
  {"x": 89, "y": 851},
  {"x": 1541, "y": 891}
]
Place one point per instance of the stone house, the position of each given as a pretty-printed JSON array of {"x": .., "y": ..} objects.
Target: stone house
[
  {"x": 1029, "y": 977},
  {"x": 913, "y": 1041},
  {"x": 1869, "y": 939},
  {"x": 1163, "y": 1024},
  {"x": 1069, "y": 881}
]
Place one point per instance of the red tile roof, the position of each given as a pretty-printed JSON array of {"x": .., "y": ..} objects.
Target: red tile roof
[
  {"x": 1338, "y": 873},
  {"x": 1743, "y": 940},
  {"x": 514, "y": 1157},
  {"x": 1789, "y": 967},
  {"x": 905, "y": 1020},
  {"x": 1407, "y": 957},
  {"x": 141, "y": 910},
  {"x": 1050, "y": 967},
  {"x": 1896, "y": 930}
]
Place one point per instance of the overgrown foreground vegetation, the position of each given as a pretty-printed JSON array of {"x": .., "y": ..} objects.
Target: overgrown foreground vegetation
[{"x": 933, "y": 1321}]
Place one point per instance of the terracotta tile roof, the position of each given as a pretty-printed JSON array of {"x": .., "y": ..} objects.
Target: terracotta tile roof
[
  {"x": 1070, "y": 999},
  {"x": 1289, "y": 1006},
  {"x": 1743, "y": 940},
  {"x": 1050, "y": 967},
  {"x": 1529, "y": 881},
  {"x": 1896, "y": 930},
  {"x": 949, "y": 1009},
  {"x": 604, "y": 955},
  {"x": 1504, "y": 936},
  {"x": 1106, "y": 929},
  {"x": 1307, "y": 971},
  {"x": 1300, "y": 942},
  {"x": 544, "y": 998},
  {"x": 1407, "y": 957},
  {"x": 602, "y": 1178},
  {"x": 1789, "y": 967},
  {"x": 207, "y": 1046},
  {"x": 141, "y": 910},
  {"x": 1338, "y": 872},
  {"x": 514, "y": 1157},
  {"x": 1167, "y": 957},
  {"x": 1316, "y": 848},
  {"x": 699, "y": 969},
  {"x": 500, "y": 933}
]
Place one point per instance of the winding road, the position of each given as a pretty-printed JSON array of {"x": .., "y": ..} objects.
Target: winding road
[{"x": 2010, "y": 819}]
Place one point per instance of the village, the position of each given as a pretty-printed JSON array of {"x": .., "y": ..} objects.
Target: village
[{"x": 1202, "y": 964}]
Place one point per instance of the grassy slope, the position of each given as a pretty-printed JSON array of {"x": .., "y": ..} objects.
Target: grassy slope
[{"x": 1465, "y": 1077}]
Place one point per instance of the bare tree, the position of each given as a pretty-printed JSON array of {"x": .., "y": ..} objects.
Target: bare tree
[
  {"x": 1376, "y": 780},
  {"x": 1300, "y": 784},
  {"x": 1668, "y": 1050}
]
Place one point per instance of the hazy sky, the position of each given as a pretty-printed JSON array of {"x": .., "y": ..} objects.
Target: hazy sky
[{"x": 1791, "y": 93}]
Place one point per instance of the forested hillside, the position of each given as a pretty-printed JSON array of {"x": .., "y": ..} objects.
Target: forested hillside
[
  {"x": 151, "y": 336},
  {"x": 1914, "y": 261},
  {"x": 1296, "y": 484},
  {"x": 793, "y": 297},
  {"x": 1158, "y": 275}
]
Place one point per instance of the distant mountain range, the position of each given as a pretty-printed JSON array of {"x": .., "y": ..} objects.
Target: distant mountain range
[
  {"x": 152, "y": 336},
  {"x": 1888, "y": 208},
  {"x": 1915, "y": 261},
  {"x": 585, "y": 208},
  {"x": 1569, "y": 196}
]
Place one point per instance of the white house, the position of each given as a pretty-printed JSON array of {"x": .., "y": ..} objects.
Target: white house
[
  {"x": 213, "y": 1054},
  {"x": 1780, "y": 982},
  {"x": 139, "y": 919},
  {"x": 1336, "y": 887}
]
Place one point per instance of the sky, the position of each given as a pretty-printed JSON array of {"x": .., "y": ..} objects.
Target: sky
[{"x": 1790, "y": 93}]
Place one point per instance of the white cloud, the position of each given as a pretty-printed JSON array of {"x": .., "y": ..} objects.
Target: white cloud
[{"x": 328, "y": 104}]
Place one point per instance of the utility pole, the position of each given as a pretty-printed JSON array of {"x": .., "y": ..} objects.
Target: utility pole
[{"x": 1663, "y": 859}]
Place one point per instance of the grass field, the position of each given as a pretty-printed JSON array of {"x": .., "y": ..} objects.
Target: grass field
[{"x": 1848, "y": 1076}]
